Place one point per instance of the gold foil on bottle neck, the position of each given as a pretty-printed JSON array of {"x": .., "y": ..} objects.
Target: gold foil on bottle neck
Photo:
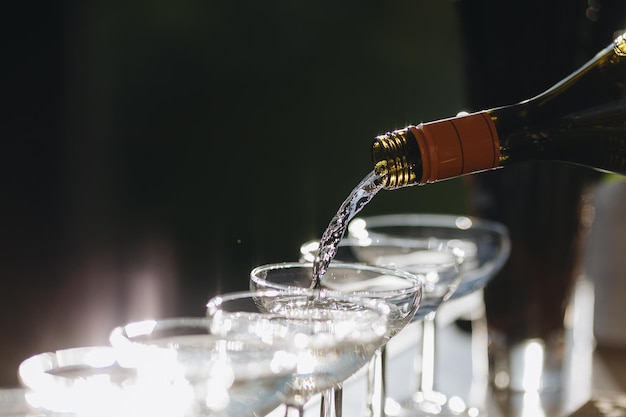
[{"x": 620, "y": 45}]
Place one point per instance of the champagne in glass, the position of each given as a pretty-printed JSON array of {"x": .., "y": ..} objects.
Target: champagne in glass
[
  {"x": 182, "y": 362},
  {"x": 435, "y": 262},
  {"x": 335, "y": 335},
  {"x": 401, "y": 290}
]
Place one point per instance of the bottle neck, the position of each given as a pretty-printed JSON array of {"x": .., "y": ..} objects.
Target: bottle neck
[
  {"x": 396, "y": 158},
  {"x": 437, "y": 150}
]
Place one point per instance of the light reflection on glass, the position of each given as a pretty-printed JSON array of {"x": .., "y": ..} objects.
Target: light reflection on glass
[
  {"x": 532, "y": 365},
  {"x": 218, "y": 375},
  {"x": 531, "y": 405},
  {"x": 140, "y": 328},
  {"x": 307, "y": 363},
  {"x": 463, "y": 223},
  {"x": 456, "y": 404},
  {"x": 87, "y": 382},
  {"x": 187, "y": 372}
]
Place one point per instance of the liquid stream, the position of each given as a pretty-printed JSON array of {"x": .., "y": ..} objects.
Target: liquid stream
[{"x": 357, "y": 199}]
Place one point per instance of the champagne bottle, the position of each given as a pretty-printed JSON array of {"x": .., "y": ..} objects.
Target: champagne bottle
[{"x": 581, "y": 120}]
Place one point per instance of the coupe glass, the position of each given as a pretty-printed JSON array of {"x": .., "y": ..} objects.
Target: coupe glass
[
  {"x": 482, "y": 247},
  {"x": 185, "y": 369},
  {"x": 399, "y": 289},
  {"x": 82, "y": 382},
  {"x": 434, "y": 261},
  {"x": 336, "y": 335}
]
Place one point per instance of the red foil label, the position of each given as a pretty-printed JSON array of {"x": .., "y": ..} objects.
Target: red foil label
[{"x": 457, "y": 146}]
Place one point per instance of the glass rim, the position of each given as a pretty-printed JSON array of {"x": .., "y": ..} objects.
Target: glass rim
[
  {"x": 308, "y": 248},
  {"x": 39, "y": 372},
  {"x": 471, "y": 279},
  {"x": 148, "y": 327},
  {"x": 458, "y": 221},
  {"x": 217, "y": 300},
  {"x": 417, "y": 279},
  {"x": 214, "y": 304}
]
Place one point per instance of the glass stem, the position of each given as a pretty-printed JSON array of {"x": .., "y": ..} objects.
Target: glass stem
[
  {"x": 331, "y": 402},
  {"x": 427, "y": 380},
  {"x": 376, "y": 392},
  {"x": 294, "y": 410},
  {"x": 479, "y": 341}
]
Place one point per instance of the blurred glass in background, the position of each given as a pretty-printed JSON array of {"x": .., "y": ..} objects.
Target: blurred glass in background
[{"x": 515, "y": 50}]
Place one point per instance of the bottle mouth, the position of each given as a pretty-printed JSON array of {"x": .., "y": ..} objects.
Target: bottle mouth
[{"x": 396, "y": 162}]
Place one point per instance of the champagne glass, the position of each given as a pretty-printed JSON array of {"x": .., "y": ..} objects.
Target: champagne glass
[
  {"x": 399, "y": 289},
  {"x": 482, "y": 247},
  {"x": 185, "y": 369},
  {"x": 434, "y": 261},
  {"x": 82, "y": 381},
  {"x": 214, "y": 375},
  {"x": 335, "y": 334}
]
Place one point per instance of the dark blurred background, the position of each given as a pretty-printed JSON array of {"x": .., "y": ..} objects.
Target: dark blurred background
[{"x": 153, "y": 152}]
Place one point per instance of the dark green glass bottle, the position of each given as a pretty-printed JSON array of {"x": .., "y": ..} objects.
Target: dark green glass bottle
[{"x": 581, "y": 120}]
